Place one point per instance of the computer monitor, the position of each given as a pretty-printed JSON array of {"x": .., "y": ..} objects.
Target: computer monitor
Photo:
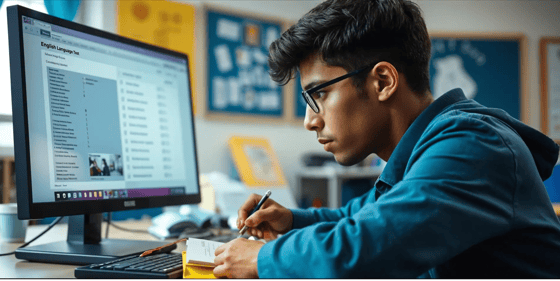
[{"x": 101, "y": 123}]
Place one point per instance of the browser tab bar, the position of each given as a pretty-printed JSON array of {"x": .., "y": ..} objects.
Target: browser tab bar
[{"x": 43, "y": 25}]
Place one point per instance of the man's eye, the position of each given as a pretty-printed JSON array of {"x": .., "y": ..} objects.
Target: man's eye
[{"x": 318, "y": 95}]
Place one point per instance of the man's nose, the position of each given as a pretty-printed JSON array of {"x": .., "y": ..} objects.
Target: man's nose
[{"x": 313, "y": 121}]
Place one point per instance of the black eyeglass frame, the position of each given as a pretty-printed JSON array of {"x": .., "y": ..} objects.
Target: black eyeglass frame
[{"x": 307, "y": 93}]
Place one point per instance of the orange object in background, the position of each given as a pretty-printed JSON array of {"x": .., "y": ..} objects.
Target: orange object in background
[{"x": 317, "y": 203}]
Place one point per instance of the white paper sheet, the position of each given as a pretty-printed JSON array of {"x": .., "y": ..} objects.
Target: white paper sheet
[
  {"x": 228, "y": 30},
  {"x": 223, "y": 58}
]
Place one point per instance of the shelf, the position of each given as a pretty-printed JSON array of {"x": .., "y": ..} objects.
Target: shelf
[{"x": 335, "y": 176}]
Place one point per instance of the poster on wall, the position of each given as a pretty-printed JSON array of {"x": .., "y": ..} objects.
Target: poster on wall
[
  {"x": 488, "y": 68},
  {"x": 550, "y": 86},
  {"x": 256, "y": 162},
  {"x": 166, "y": 24},
  {"x": 238, "y": 81}
]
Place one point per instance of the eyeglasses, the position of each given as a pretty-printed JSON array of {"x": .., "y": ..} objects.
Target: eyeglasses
[{"x": 311, "y": 101}]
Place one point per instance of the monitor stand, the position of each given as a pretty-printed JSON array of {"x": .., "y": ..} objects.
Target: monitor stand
[{"x": 84, "y": 245}]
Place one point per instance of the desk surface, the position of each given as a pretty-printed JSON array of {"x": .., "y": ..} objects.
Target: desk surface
[{"x": 10, "y": 267}]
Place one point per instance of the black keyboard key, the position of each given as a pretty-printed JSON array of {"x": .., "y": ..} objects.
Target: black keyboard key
[
  {"x": 176, "y": 267},
  {"x": 128, "y": 264},
  {"x": 136, "y": 269},
  {"x": 107, "y": 267}
]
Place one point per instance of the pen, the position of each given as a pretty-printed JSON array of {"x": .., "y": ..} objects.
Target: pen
[
  {"x": 149, "y": 252},
  {"x": 242, "y": 231}
]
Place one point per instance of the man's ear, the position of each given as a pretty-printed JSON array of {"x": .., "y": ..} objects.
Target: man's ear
[{"x": 385, "y": 80}]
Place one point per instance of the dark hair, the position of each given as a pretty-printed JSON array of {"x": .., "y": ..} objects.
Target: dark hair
[{"x": 355, "y": 33}]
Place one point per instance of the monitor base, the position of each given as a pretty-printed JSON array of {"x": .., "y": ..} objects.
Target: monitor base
[{"x": 78, "y": 253}]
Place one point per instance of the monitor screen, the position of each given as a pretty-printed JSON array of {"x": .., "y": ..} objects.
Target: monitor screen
[{"x": 101, "y": 122}]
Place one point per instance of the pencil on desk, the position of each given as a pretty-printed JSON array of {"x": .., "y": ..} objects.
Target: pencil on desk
[{"x": 148, "y": 252}]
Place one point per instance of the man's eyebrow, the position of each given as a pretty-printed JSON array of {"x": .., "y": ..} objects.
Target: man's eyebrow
[{"x": 313, "y": 84}]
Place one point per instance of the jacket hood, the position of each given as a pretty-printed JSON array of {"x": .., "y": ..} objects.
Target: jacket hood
[{"x": 543, "y": 149}]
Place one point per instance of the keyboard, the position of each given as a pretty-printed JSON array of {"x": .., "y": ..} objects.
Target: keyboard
[{"x": 164, "y": 265}]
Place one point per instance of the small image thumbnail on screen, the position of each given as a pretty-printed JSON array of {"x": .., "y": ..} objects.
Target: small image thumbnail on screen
[{"x": 105, "y": 165}]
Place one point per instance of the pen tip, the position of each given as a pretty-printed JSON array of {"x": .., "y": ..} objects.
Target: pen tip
[{"x": 242, "y": 231}]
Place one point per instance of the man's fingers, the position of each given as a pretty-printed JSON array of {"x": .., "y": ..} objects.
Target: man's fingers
[
  {"x": 219, "y": 259},
  {"x": 261, "y": 216},
  {"x": 220, "y": 271},
  {"x": 220, "y": 250},
  {"x": 241, "y": 217},
  {"x": 223, "y": 247},
  {"x": 269, "y": 235},
  {"x": 247, "y": 207}
]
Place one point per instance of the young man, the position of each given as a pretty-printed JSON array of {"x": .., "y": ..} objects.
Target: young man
[{"x": 462, "y": 194}]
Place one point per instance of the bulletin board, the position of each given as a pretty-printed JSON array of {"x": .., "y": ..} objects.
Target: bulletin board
[
  {"x": 166, "y": 24},
  {"x": 550, "y": 86},
  {"x": 489, "y": 68},
  {"x": 238, "y": 81},
  {"x": 296, "y": 103}
]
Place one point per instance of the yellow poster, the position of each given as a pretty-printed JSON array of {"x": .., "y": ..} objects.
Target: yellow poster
[
  {"x": 167, "y": 24},
  {"x": 256, "y": 161}
]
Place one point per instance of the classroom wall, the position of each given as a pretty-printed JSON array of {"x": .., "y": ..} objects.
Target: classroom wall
[{"x": 532, "y": 18}]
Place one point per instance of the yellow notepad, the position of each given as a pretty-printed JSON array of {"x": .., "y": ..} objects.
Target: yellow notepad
[
  {"x": 196, "y": 272},
  {"x": 198, "y": 259},
  {"x": 200, "y": 252}
]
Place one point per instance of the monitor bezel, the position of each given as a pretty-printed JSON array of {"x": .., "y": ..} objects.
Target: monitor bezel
[{"x": 27, "y": 209}]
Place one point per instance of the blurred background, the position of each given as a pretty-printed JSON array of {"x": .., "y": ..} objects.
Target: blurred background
[{"x": 455, "y": 23}]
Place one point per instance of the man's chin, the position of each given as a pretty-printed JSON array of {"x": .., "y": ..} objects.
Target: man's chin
[{"x": 345, "y": 160}]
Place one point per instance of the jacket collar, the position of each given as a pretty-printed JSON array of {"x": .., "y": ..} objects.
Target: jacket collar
[{"x": 394, "y": 170}]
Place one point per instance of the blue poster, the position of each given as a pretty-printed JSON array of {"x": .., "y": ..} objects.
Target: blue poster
[
  {"x": 487, "y": 71},
  {"x": 238, "y": 79}
]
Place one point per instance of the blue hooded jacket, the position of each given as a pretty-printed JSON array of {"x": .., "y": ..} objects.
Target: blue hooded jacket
[{"x": 462, "y": 196}]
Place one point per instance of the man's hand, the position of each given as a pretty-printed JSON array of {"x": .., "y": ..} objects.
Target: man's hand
[
  {"x": 272, "y": 219},
  {"x": 237, "y": 259}
]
